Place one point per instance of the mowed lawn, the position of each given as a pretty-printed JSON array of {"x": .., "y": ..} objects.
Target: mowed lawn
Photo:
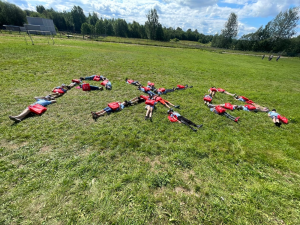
[{"x": 65, "y": 168}]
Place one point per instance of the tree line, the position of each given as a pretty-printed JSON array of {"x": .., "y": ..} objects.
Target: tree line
[{"x": 276, "y": 36}]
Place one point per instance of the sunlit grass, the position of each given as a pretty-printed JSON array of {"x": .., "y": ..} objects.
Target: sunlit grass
[{"x": 65, "y": 168}]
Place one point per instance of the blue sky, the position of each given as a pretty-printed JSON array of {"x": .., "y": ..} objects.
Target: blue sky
[{"x": 207, "y": 16}]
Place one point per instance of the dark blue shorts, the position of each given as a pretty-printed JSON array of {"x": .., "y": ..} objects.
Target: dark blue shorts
[{"x": 108, "y": 110}]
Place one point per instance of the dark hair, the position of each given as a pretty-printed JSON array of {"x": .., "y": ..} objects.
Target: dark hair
[{"x": 274, "y": 110}]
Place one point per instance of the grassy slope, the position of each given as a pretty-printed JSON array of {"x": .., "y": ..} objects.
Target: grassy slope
[{"x": 63, "y": 167}]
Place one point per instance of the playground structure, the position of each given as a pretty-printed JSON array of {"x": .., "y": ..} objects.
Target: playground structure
[{"x": 36, "y": 25}]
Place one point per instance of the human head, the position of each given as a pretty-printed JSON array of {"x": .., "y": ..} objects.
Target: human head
[
  {"x": 274, "y": 110},
  {"x": 125, "y": 103},
  {"x": 170, "y": 111}
]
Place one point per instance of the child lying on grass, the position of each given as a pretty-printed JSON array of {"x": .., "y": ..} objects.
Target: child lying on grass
[
  {"x": 28, "y": 110},
  {"x": 111, "y": 107},
  {"x": 176, "y": 117}
]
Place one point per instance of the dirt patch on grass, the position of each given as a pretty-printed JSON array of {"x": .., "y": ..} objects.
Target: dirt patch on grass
[
  {"x": 154, "y": 163},
  {"x": 11, "y": 145},
  {"x": 45, "y": 149},
  {"x": 181, "y": 190},
  {"x": 159, "y": 192}
]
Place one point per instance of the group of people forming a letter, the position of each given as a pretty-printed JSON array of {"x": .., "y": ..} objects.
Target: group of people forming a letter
[{"x": 151, "y": 97}]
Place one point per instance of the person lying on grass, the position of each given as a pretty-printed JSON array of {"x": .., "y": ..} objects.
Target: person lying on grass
[
  {"x": 88, "y": 87},
  {"x": 207, "y": 99},
  {"x": 176, "y": 117},
  {"x": 163, "y": 91},
  {"x": 150, "y": 104},
  {"x": 221, "y": 111},
  {"x": 182, "y": 87},
  {"x": 249, "y": 108},
  {"x": 146, "y": 90},
  {"x": 111, "y": 108},
  {"x": 150, "y": 85},
  {"x": 30, "y": 109},
  {"x": 138, "y": 100},
  {"x": 94, "y": 78},
  {"x": 107, "y": 84},
  {"x": 243, "y": 99},
  {"x": 252, "y": 108},
  {"x": 164, "y": 102},
  {"x": 136, "y": 83},
  {"x": 277, "y": 118},
  {"x": 59, "y": 91},
  {"x": 222, "y": 91},
  {"x": 212, "y": 91}
]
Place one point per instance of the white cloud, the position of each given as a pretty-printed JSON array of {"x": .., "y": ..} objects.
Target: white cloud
[{"x": 205, "y": 16}]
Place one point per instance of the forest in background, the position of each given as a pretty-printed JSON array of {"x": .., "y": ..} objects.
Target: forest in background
[{"x": 277, "y": 36}]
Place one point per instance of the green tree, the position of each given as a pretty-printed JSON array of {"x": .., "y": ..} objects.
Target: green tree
[
  {"x": 93, "y": 19},
  {"x": 152, "y": 24},
  {"x": 40, "y": 8},
  {"x": 11, "y": 14},
  {"x": 285, "y": 23},
  {"x": 159, "y": 33},
  {"x": 109, "y": 30},
  {"x": 231, "y": 27},
  {"x": 100, "y": 27},
  {"x": 87, "y": 29},
  {"x": 120, "y": 28},
  {"x": 78, "y": 17}
]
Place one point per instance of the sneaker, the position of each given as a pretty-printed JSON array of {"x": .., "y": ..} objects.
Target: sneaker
[
  {"x": 177, "y": 106},
  {"x": 81, "y": 78},
  {"x": 194, "y": 129},
  {"x": 279, "y": 124},
  {"x": 101, "y": 88},
  {"x": 236, "y": 119},
  {"x": 95, "y": 116},
  {"x": 199, "y": 126},
  {"x": 173, "y": 88},
  {"x": 151, "y": 119},
  {"x": 191, "y": 86},
  {"x": 14, "y": 119},
  {"x": 126, "y": 79},
  {"x": 146, "y": 117}
]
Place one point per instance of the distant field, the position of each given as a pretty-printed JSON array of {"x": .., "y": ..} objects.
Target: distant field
[{"x": 65, "y": 168}]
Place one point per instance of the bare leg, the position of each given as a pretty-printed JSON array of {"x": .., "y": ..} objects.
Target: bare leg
[
  {"x": 21, "y": 116},
  {"x": 100, "y": 113},
  {"x": 148, "y": 111},
  {"x": 150, "y": 114},
  {"x": 227, "y": 93},
  {"x": 133, "y": 101},
  {"x": 56, "y": 95},
  {"x": 211, "y": 105},
  {"x": 260, "y": 108},
  {"x": 72, "y": 85},
  {"x": 166, "y": 104}
]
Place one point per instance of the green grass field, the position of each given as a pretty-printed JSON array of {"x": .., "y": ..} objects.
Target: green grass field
[{"x": 65, "y": 168}]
